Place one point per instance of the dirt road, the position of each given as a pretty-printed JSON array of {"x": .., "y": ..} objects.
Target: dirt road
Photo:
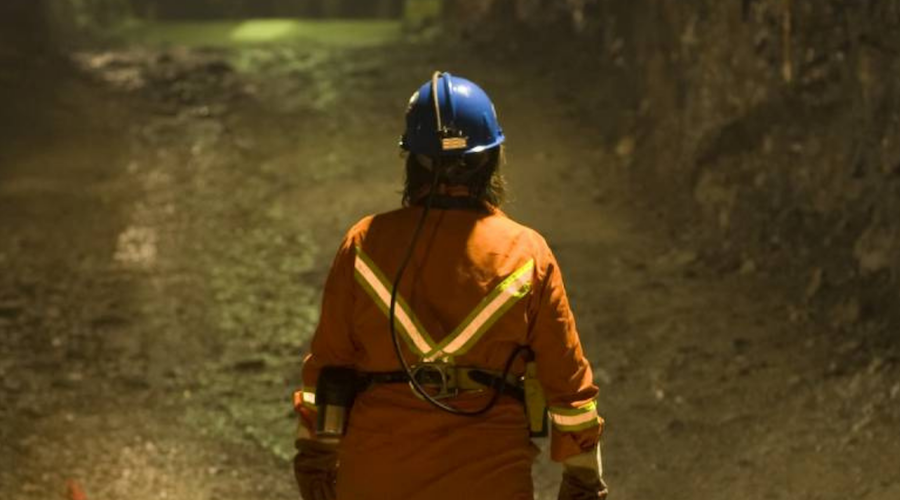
[{"x": 167, "y": 215}]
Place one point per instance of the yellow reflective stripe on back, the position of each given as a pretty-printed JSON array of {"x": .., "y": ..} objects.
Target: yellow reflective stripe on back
[
  {"x": 479, "y": 321},
  {"x": 575, "y": 419},
  {"x": 376, "y": 285},
  {"x": 483, "y": 317}
]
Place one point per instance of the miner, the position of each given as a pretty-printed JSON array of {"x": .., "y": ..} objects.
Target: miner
[{"x": 446, "y": 340}]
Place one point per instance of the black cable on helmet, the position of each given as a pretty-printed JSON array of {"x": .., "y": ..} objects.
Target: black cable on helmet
[{"x": 437, "y": 171}]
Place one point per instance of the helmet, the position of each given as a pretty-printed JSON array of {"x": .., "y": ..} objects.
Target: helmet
[{"x": 459, "y": 121}]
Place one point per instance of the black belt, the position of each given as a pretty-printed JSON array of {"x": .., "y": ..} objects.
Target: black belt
[{"x": 450, "y": 380}]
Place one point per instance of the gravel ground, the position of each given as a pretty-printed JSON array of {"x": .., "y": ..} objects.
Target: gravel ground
[{"x": 168, "y": 214}]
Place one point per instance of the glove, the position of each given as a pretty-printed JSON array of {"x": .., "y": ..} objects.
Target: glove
[
  {"x": 315, "y": 468},
  {"x": 581, "y": 484},
  {"x": 583, "y": 477}
]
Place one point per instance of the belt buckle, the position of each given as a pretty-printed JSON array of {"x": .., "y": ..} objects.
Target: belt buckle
[{"x": 442, "y": 375}]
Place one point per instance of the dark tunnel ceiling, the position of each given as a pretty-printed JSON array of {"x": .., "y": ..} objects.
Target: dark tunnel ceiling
[{"x": 217, "y": 9}]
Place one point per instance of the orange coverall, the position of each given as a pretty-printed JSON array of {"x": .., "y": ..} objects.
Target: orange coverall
[{"x": 398, "y": 446}]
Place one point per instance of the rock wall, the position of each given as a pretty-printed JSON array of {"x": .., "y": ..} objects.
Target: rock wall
[
  {"x": 767, "y": 130},
  {"x": 76, "y": 22},
  {"x": 21, "y": 25}
]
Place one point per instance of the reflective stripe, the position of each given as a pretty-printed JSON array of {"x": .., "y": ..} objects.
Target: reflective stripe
[
  {"x": 575, "y": 419},
  {"x": 454, "y": 143},
  {"x": 305, "y": 398},
  {"x": 492, "y": 308},
  {"x": 379, "y": 289},
  {"x": 305, "y": 405},
  {"x": 479, "y": 321}
]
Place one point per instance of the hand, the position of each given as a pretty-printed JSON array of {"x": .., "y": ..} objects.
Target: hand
[
  {"x": 579, "y": 483},
  {"x": 583, "y": 477},
  {"x": 315, "y": 468}
]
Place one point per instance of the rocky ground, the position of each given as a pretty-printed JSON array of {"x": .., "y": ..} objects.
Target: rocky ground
[{"x": 167, "y": 215}]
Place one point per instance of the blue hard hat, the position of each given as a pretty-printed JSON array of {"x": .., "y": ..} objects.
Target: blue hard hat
[{"x": 466, "y": 121}]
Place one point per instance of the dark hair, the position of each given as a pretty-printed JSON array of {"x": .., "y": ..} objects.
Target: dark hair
[{"x": 479, "y": 172}]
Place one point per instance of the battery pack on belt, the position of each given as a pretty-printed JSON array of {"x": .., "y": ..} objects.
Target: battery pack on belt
[{"x": 449, "y": 380}]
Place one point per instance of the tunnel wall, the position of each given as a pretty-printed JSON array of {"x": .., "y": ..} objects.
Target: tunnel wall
[
  {"x": 777, "y": 122},
  {"x": 72, "y": 22},
  {"x": 22, "y": 25}
]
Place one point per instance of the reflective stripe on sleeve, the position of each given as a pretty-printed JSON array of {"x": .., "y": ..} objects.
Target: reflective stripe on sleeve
[
  {"x": 305, "y": 399},
  {"x": 575, "y": 419},
  {"x": 305, "y": 406},
  {"x": 379, "y": 288},
  {"x": 483, "y": 317}
]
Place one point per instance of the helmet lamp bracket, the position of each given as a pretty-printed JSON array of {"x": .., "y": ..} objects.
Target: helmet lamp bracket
[{"x": 451, "y": 138}]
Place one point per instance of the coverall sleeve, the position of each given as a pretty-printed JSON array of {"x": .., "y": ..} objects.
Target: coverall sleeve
[
  {"x": 563, "y": 370},
  {"x": 332, "y": 343}
]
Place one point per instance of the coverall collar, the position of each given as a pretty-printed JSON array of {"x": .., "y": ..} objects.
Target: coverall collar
[{"x": 450, "y": 197}]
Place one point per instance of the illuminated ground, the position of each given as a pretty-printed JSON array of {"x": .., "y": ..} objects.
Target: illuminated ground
[
  {"x": 166, "y": 223},
  {"x": 262, "y": 31}
]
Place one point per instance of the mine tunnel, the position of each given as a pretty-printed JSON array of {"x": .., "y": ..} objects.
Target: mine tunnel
[{"x": 717, "y": 180}]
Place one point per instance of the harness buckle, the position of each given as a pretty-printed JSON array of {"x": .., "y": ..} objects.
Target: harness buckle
[{"x": 441, "y": 376}]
